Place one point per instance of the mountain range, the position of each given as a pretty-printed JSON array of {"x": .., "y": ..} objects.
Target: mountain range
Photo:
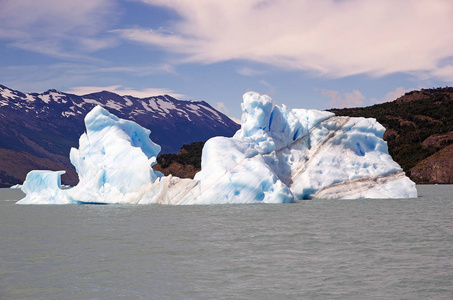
[{"x": 37, "y": 130}]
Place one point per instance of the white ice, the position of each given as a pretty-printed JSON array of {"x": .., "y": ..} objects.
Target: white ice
[{"x": 278, "y": 156}]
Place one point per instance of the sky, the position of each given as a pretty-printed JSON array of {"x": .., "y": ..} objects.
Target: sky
[{"x": 303, "y": 53}]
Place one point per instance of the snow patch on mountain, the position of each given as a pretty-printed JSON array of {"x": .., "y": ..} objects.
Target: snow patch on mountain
[{"x": 7, "y": 93}]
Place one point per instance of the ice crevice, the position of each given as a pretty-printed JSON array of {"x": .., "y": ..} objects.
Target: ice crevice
[
  {"x": 310, "y": 154},
  {"x": 279, "y": 155}
]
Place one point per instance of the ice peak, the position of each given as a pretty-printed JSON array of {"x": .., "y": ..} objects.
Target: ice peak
[{"x": 256, "y": 113}]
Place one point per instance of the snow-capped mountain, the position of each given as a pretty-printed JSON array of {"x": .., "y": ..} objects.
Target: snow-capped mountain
[{"x": 38, "y": 129}]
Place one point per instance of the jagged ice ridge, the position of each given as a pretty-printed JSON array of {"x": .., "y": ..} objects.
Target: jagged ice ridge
[{"x": 278, "y": 156}]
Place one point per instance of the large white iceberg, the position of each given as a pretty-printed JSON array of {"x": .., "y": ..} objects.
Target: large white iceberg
[{"x": 278, "y": 156}]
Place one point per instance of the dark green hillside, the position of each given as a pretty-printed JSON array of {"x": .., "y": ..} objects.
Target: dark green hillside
[
  {"x": 419, "y": 124},
  {"x": 184, "y": 164}
]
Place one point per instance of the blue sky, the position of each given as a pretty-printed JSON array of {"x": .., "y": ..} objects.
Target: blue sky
[{"x": 303, "y": 53}]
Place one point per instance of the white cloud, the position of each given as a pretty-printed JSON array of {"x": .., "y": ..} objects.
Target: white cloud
[
  {"x": 270, "y": 88},
  {"x": 444, "y": 73},
  {"x": 34, "y": 78},
  {"x": 60, "y": 15},
  {"x": 342, "y": 100},
  {"x": 60, "y": 28},
  {"x": 220, "y": 106},
  {"x": 52, "y": 48},
  {"x": 331, "y": 38},
  {"x": 246, "y": 71},
  {"x": 392, "y": 95},
  {"x": 238, "y": 121},
  {"x": 357, "y": 99},
  {"x": 123, "y": 91},
  {"x": 142, "y": 70}
]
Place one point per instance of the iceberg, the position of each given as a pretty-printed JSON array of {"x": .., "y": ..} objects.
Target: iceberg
[{"x": 279, "y": 155}]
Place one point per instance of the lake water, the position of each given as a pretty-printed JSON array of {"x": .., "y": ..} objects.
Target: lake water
[{"x": 318, "y": 249}]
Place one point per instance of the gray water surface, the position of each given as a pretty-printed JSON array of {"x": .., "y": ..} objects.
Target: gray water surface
[{"x": 318, "y": 249}]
